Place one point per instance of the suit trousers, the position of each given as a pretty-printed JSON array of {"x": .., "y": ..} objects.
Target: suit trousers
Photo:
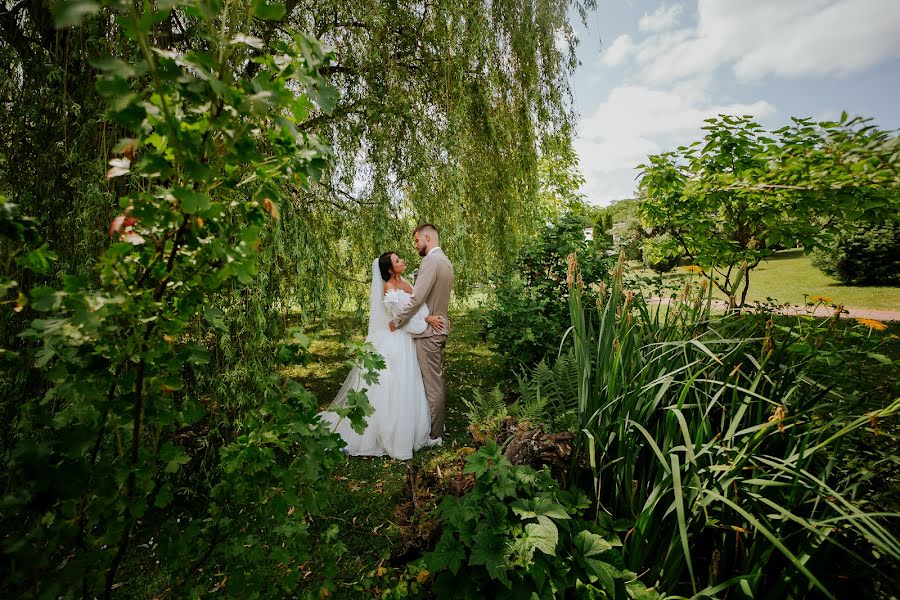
[{"x": 430, "y": 351}]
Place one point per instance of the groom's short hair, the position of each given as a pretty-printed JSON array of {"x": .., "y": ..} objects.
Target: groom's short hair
[{"x": 426, "y": 228}]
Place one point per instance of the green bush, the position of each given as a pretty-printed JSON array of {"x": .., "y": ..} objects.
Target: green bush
[
  {"x": 100, "y": 468},
  {"x": 518, "y": 535},
  {"x": 708, "y": 441},
  {"x": 661, "y": 253},
  {"x": 867, "y": 255},
  {"x": 631, "y": 239},
  {"x": 525, "y": 318}
]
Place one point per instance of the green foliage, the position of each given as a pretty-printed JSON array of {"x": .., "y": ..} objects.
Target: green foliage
[
  {"x": 742, "y": 191},
  {"x": 527, "y": 315},
  {"x": 549, "y": 394},
  {"x": 661, "y": 253},
  {"x": 98, "y": 451},
  {"x": 484, "y": 412},
  {"x": 868, "y": 254},
  {"x": 516, "y": 534},
  {"x": 698, "y": 432},
  {"x": 436, "y": 107}
]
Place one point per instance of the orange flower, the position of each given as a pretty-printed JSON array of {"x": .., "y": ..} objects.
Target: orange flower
[
  {"x": 693, "y": 269},
  {"x": 872, "y": 324},
  {"x": 822, "y": 299}
]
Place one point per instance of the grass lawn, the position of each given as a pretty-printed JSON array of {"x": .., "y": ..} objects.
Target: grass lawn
[
  {"x": 789, "y": 275},
  {"x": 370, "y": 497}
]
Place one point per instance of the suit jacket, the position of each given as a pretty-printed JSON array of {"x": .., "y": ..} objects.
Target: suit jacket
[{"x": 432, "y": 287}]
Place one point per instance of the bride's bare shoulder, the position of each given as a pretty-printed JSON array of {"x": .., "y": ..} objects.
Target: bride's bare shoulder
[
  {"x": 389, "y": 285},
  {"x": 406, "y": 286}
]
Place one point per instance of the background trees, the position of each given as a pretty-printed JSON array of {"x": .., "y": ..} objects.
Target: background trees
[
  {"x": 183, "y": 177},
  {"x": 731, "y": 199}
]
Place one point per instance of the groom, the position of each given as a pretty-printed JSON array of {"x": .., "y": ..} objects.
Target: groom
[{"x": 432, "y": 287}]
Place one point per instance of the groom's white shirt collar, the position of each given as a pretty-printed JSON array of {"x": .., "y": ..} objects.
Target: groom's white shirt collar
[{"x": 430, "y": 252}]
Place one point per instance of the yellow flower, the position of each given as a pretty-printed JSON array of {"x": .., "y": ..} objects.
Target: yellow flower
[
  {"x": 872, "y": 324},
  {"x": 822, "y": 299},
  {"x": 778, "y": 417},
  {"x": 693, "y": 269},
  {"x": 422, "y": 576}
]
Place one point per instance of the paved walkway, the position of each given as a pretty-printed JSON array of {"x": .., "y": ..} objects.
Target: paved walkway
[{"x": 820, "y": 311}]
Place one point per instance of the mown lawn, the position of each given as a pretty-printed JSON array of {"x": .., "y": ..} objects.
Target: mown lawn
[
  {"x": 790, "y": 278},
  {"x": 370, "y": 497}
]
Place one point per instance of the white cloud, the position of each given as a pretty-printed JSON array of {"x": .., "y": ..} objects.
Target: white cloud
[
  {"x": 618, "y": 51},
  {"x": 636, "y": 120},
  {"x": 664, "y": 17},
  {"x": 795, "y": 39}
]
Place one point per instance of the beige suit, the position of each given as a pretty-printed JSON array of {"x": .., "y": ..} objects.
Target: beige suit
[{"x": 433, "y": 285}]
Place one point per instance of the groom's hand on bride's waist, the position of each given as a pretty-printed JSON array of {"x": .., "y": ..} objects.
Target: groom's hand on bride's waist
[{"x": 392, "y": 326}]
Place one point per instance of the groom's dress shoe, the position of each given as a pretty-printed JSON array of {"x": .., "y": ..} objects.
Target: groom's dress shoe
[{"x": 434, "y": 442}]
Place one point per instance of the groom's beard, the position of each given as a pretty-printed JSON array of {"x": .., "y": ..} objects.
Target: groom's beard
[{"x": 423, "y": 252}]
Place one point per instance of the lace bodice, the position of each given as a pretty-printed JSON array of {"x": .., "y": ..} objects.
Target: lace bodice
[{"x": 395, "y": 300}]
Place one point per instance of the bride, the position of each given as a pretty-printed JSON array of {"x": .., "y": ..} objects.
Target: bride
[{"x": 401, "y": 421}]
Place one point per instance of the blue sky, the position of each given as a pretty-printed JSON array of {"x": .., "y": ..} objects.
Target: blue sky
[{"x": 653, "y": 70}]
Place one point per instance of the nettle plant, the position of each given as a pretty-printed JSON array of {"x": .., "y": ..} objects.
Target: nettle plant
[{"x": 207, "y": 157}]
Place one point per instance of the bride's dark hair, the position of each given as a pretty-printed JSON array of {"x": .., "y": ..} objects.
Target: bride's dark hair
[{"x": 385, "y": 265}]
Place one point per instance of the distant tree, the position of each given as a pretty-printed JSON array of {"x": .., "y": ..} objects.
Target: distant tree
[{"x": 726, "y": 201}]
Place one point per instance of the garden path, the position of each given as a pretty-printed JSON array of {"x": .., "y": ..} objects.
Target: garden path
[{"x": 820, "y": 311}]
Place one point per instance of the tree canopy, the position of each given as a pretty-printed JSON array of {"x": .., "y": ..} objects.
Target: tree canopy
[
  {"x": 440, "y": 112},
  {"x": 729, "y": 200}
]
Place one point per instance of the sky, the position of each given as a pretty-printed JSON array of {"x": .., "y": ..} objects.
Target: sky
[{"x": 652, "y": 70}]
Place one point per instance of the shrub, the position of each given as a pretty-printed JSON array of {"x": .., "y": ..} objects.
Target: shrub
[
  {"x": 94, "y": 467},
  {"x": 716, "y": 451},
  {"x": 527, "y": 315},
  {"x": 518, "y": 535},
  {"x": 661, "y": 253},
  {"x": 867, "y": 255},
  {"x": 631, "y": 239}
]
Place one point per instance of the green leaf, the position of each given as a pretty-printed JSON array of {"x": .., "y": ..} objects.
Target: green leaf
[
  {"x": 589, "y": 551},
  {"x": 39, "y": 260},
  {"x": 44, "y": 298},
  {"x": 173, "y": 456},
  {"x": 164, "y": 497},
  {"x": 476, "y": 463},
  {"x": 192, "y": 201},
  {"x": 114, "y": 66},
  {"x": 448, "y": 554},
  {"x": 879, "y": 357},
  {"x": 70, "y": 13},
  {"x": 268, "y": 12},
  {"x": 543, "y": 535}
]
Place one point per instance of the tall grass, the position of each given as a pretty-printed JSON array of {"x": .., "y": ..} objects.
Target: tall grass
[{"x": 712, "y": 451}]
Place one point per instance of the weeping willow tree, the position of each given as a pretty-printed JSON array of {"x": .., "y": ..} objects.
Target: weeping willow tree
[{"x": 441, "y": 112}]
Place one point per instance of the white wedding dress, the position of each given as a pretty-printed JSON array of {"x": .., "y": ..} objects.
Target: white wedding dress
[{"x": 401, "y": 422}]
